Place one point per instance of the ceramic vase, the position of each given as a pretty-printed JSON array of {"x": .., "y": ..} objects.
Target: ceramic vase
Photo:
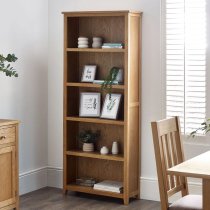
[
  {"x": 115, "y": 148},
  {"x": 88, "y": 147},
  {"x": 104, "y": 150}
]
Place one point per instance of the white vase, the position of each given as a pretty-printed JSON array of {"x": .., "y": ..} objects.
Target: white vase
[
  {"x": 88, "y": 147},
  {"x": 104, "y": 150},
  {"x": 115, "y": 149}
]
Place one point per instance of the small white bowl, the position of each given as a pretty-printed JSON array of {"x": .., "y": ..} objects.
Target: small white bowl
[
  {"x": 82, "y": 38},
  {"x": 83, "y": 42},
  {"x": 82, "y": 46}
]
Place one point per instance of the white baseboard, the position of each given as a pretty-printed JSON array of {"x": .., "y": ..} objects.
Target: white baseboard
[
  {"x": 53, "y": 177},
  {"x": 32, "y": 180},
  {"x": 150, "y": 191}
]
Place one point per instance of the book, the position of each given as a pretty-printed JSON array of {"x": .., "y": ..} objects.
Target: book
[
  {"x": 105, "y": 47},
  {"x": 108, "y": 185},
  {"x": 102, "y": 81},
  {"x": 112, "y": 44},
  {"x": 86, "y": 181}
]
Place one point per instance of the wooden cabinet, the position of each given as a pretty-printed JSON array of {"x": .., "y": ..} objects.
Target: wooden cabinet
[
  {"x": 116, "y": 26},
  {"x": 9, "y": 165}
]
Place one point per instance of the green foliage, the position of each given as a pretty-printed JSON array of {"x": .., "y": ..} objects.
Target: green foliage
[
  {"x": 205, "y": 128},
  {"x": 88, "y": 136},
  {"x": 5, "y": 66},
  {"x": 106, "y": 86}
]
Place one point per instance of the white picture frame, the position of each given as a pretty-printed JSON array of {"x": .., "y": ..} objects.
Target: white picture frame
[
  {"x": 90, "y": 104},
  {"x": 88, "y": 73},
  {"x": 111, "y": 106}
]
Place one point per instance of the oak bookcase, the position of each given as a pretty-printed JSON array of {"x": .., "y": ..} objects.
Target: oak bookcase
[{"x": 113, "y": 26}]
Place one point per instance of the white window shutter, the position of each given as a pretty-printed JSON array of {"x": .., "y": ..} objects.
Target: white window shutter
[{"x": 186, "y": 62}]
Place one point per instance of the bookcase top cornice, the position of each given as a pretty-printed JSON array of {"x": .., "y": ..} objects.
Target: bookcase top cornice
[{"x": 101, "y": 13}]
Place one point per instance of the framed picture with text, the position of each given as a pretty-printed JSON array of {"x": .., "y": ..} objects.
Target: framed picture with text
[
  {"x": 90, "y": 104},
  {"x": 111, "y": 106},
  {"x": 89, "y": 73}
]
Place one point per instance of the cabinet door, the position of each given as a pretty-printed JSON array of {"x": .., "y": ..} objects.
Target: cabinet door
[{"x": 7, "y": 176}]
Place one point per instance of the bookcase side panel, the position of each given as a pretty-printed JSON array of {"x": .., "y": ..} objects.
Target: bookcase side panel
[{"x": 133, "y": 105}]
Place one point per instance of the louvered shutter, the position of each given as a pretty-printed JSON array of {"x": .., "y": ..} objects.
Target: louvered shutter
[{"x": 186, "y": 62}]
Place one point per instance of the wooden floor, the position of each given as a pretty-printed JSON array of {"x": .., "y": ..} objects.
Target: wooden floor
[{"x": 51, "y": 198}]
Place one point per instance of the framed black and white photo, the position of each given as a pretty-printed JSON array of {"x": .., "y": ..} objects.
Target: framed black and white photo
[
  {"x": 90, "y": 104},
  {"x": 111, "y": 106},
  {"x": 89, "y": 73}
]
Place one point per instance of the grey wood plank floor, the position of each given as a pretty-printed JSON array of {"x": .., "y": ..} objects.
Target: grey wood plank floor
[{"x": 52, "y": 198}]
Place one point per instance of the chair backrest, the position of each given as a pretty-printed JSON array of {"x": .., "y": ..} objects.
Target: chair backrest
[{"x": 168, "y": 153}]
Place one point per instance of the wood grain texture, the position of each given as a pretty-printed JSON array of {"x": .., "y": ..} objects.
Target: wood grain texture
[
  {"x": 52, "y": 199},
  {"x": 9, "y": 194},
  {"x": 119, "y": 26},
  {"x": 168, "y": 153}
]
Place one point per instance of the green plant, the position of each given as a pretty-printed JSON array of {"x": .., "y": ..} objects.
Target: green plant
[
  {"x": 88, "y": 136},
  {"x": 5, "y": 66},
  {"x": 108, "y": 82},
  {"x": 205, "y": 128}
]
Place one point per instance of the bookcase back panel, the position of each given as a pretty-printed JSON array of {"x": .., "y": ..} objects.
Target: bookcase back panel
[
  {"x": 73, "y": 67},
  {"x": 103, "y": 61},
  {"x": 108, "y": 134},
  {"x": 71, "y": 169},
  {"x": 73, "y": 100},
  {"x": 72, "y": 133},
  {"x": 111, "y": 29},
  {"x": 100, "y": 169}
]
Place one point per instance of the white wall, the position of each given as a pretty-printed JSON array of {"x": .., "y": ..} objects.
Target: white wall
[
  {"x": 24, "y": 31},
  {"x": 36, "y": 96}
]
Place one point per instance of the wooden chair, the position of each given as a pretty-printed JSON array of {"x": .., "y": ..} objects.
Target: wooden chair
[{"x": 168, "y": 153}]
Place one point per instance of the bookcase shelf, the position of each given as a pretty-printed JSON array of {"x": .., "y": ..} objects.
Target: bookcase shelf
[
  {"x": 100, "y": 50},
  {"x": 91, "y": 85},
  {"x": 114, "y": 27},
  {"x": 90, "y": 190},
  {"x": 96, "y": 155},
  {"x": 95, "y": 120}
]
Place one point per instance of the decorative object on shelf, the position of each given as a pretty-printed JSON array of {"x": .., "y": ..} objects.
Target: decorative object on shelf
[
  {"x": 108, "y": 185},
  {"x": 112, "y": 45},
  {"x": 111, "y": 106},
  {"x": 115, "y": 148},
  {"x": 83, "y": 42},
  {"x": 86, "y": 181},
  {"x": 104, "y": 150},
  {"x": 90, "y": 104},
  {"x": 88, "y": 138},
  {"x": 111, "y": 79},
  {"x": 5, "y": 66},
  {"x": 97, "y": 42},
  {"x": 89, "y": 73},
  {"x": 204, "y": 129}
]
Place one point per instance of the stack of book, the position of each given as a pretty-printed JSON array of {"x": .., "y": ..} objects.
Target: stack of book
[
  {"x": 88, "y": 182},
  {"x": 115, "y": 82},
  {"x": 112, "y": 45},
  {"x": 111, "y": 186}
]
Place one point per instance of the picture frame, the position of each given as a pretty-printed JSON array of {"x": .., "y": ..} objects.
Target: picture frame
[
  {"x": 88, "y": 73},
  {"x": 111, "y": 106},
  {"x": 90, "y": 104}
]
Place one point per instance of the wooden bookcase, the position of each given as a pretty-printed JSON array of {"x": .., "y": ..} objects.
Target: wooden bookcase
[{"x": 113, "y": 26}]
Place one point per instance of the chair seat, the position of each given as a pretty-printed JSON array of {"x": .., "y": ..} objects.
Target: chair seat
[{"x": 188, "y": 202}]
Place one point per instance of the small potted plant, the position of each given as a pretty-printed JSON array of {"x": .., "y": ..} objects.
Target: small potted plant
[
  {"x": 5, "y": 66},
  {"x": 115, "y": 75},
  {"x": 205, "y": 128},
  {"x": 88, "y": 138}
]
